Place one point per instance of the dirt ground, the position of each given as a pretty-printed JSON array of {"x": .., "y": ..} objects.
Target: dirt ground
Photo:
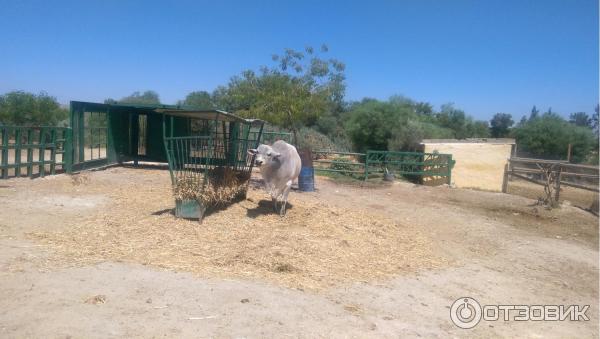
[{"x": 101, "y": 255}]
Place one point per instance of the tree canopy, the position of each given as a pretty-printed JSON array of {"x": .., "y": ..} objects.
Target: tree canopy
[
  {"x": 549, "y": 135},
  {"x": 22, "y": 108},
  {"x": 500, "y": 125},
  {"x": 137, "y": 98}
]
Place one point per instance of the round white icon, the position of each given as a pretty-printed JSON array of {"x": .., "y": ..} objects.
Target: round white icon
[{"x": 465, "y": 312}]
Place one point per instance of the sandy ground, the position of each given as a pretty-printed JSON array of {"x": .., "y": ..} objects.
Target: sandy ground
[{"x": 496, "y": 248}]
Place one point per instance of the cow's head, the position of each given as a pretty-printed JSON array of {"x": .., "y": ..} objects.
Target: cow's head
[{"x": 264, "y": 155}]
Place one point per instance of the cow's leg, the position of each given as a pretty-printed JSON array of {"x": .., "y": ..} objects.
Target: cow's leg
[
  {"x": 284, "y": 196},
  {"x": 274, "y": 200}
]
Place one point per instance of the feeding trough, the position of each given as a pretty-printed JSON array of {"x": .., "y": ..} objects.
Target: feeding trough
[{"x": 208, "y": 158}]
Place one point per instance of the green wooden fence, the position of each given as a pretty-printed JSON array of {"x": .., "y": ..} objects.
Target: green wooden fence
[{"x": 34, "y": 151}]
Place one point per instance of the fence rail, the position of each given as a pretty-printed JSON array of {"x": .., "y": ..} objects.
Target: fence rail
[
  {"x": 573, "y": 175},
  {"x": 34, "y": 151},
  {"x": 427, "y": 167}
]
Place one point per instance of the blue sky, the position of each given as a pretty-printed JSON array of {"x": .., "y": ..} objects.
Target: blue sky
[{"x": 485, "y": 56}]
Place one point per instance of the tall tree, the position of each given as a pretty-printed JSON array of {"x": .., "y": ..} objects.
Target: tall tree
[
  {"x": 595, "y": 119},
  {"x": 501, "y": 124},
  {"x": 534, "y": 113},
  {"x": 299, "y": 88},
  {"x": 580, "y": 119}
]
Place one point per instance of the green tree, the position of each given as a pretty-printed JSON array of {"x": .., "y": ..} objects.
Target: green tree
[
  {"x": 548, "y": 137},
  {"x": 371, "y": 124},
  {"x": 22, "y": 108},
  {"x": 295, "y": 92},
  {"x": 137, "y": 98},
  {"x": 501, "y": 124},
  {"x": 198, "y": 99},
  {"x": 580, "y": 119},
  {"x": 477, "y": 129},
  {"x": 453, "y": 119},
  {"x": 534, "y": 113}
]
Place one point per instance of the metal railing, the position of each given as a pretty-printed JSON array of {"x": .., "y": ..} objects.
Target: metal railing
[
  {"x": 424, "y": 166},
  {"x": 34, "y": 151}
]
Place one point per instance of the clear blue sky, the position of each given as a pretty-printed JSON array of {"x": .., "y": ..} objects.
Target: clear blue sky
[{"x": 485, "y": 56}]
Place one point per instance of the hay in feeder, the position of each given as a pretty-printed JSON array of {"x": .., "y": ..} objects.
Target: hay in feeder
[{"x": 221, "y": 186}]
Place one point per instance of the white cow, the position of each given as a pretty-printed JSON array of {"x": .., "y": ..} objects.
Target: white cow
[{"x": 279, "y": 166}]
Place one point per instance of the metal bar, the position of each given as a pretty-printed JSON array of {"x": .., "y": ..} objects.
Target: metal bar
[
  {"x": 42, "y": 152},
  {"x": 4, "y": 159},
  {"x": 68, "y": 149},
  {"x": 18, "y": 152},
  {"x": 53, "y": 152},
  {"x": 29, "y": 152}
]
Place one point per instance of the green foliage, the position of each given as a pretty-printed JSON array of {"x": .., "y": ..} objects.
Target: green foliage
[
  {"x": 22, "y": 108},
  {"x": 580, "y": 119},
  {"x": 371, "y": 123},
  {"x": 409, "y": 136},
  {"x": 199, "y": 99},
  {"x": 301, "y": 87},
  {"x": 500, "y": 125},
  {"x": 400, "y": 124},
  {"x": 309, "y": 138},
  {"x": 137, "y": 98},
  {"x": 548, "y": 137}
]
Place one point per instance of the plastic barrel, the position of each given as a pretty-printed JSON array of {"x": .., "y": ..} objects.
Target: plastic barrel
[{"x": 306, "y": 179}]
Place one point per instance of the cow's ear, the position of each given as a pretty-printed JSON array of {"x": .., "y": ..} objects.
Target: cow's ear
[
  {"x": 252, "y": 151},
  {"x": 275, "y": 154}
]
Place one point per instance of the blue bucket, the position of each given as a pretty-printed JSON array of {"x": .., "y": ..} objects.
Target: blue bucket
[{"x": 306, "y": 179}]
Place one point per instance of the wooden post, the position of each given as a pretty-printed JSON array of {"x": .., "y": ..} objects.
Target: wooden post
[
  {"x": 505, "y": 179},
  {"x": 569, "y": 153},
  {"x": 557, "y": 182}
]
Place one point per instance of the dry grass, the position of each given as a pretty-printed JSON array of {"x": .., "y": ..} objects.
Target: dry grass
[
  {"x": 222, "y": 186},
  {"x": 315, "y": 246}
]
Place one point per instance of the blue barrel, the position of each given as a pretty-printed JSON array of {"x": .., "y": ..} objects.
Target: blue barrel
[{"x": 306, "y": 179}]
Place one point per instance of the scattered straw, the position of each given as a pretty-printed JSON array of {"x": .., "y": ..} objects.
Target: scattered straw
[{"x": 315, "y": 246}]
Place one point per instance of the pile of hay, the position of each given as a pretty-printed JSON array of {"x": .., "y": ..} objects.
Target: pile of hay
[
  {"x": 220, "y": 186},
  {"x": 315, "y": 246}
]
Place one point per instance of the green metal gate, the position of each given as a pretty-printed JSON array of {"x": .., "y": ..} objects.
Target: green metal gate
[
  {"x": 34, "y": 151},
  {"x": 430, "y": 168}
]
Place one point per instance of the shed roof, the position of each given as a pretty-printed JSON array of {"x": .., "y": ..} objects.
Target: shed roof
[
  {"x": 173, "y": 110},
  {"x": 208, "y": 114}
]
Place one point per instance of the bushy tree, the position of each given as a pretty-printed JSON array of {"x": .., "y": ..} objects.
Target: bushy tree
[
  {"x": 22, "y": 108},
  {"x": 137, "y": 98},
  {"x": 295, "y": 92},
  {"x": 548, "y": 137},
  {"x": 501, "y": 124},
  {"x": 198, "y": 99},
  {"x": 371, "y": 123}
]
